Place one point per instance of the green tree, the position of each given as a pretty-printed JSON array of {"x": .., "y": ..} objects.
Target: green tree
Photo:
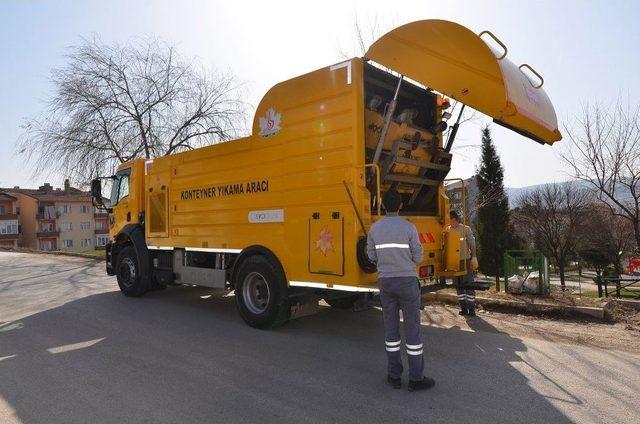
[{"x": 494, "y": 230}]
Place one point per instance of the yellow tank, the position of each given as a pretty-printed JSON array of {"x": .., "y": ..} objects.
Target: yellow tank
[
  {"x": 452, "y": 247},
  {"x": 295, "y": 193}
]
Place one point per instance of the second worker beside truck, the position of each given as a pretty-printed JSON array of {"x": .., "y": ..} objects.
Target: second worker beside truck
[
  {"x": 468, "y": 261},
  {"x": 393, "y": 244}
]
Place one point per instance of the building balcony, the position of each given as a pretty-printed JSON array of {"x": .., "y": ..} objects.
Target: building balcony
[
  {"x": 43, "y": 234},
  {"x": 48, "y": 217},
  {"x": 11, "y": 216},
  {"x": 9, "y": 236},
  {"x": 101, "y": 231}
]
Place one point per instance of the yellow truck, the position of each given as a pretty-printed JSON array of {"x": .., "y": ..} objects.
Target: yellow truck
[{"x": 280, "y": 216}]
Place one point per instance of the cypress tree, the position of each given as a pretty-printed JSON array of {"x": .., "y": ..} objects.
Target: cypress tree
[{"x": 494, "y": 230}]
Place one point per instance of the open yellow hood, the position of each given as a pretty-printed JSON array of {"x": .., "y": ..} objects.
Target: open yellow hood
[{"x": 455, "y": 61}]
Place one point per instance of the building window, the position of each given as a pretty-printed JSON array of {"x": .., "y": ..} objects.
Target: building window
[
  {"x": 85, "y": 243},
  {"x": 67, "y": 244},
  {"x": 46, "y": 245},
  {"x": 102, "y": 240},
  {"x": 47, "y": 212},
  {"x": 8, "y": 227},
  {"x": 2, "y": 210},
  {"x": 100, "y": 225},
  {"x": 85, "y": 226},
  {"x": 46, "y": 227},
  {"x": 65, "y": 209},
  {"x": 85, "y": 208},
  {"x": 65, "y": 226}
]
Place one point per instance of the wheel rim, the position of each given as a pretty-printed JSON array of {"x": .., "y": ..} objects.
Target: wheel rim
[
  {"x": 255, "y": 292},
  {"x": 127, "y": 272}
]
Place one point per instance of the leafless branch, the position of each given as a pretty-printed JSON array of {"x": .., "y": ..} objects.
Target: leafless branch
[
  {"x": 604, "y": 151},
  {"x": 115, "y": 103},
  {"x": 550, "y": 216}
]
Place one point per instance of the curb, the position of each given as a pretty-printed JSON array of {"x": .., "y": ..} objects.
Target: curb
[
  {"x": 57, "y": 253},
  {"x": 635, "y": 304},
  {"x": 489, "y": 303}
]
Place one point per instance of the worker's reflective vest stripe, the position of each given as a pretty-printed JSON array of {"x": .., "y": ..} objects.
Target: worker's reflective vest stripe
[{"x": 392, "y": 245}]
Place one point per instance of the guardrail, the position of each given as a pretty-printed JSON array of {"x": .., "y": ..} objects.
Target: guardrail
[{"x": 621, "y": 285}]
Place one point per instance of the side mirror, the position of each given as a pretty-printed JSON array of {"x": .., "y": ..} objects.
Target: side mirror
[{"x": 96, "y": 192}]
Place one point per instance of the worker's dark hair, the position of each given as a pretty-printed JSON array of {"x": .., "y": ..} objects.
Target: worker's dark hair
[
  {"x": 454, "y": 215},
  {"x": 392, "y": 200}
]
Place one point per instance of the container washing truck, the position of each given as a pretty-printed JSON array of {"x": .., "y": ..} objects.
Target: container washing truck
[{"x": 280, "y": 217}]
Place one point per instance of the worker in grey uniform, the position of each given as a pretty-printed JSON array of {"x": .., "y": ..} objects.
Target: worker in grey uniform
[
  {"x": 468, "y": 259},
  {"x": 393, "y": 244}
]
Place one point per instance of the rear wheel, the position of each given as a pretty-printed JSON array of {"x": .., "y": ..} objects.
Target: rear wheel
[
  {"x": 128, "y": 274},
  {"x": 261, "y": 293},
  {"x": 345, "y": 302}
]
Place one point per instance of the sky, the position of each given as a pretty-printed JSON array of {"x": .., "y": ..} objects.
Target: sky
[{"x": 587, "y": 51}]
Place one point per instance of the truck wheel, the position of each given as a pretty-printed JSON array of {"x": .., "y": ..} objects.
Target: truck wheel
[
  {"x": 128, "y": 275},
  {"x": 345, "y": 302},
  {"x": 365, "y": 263},
  {"x": 261, "y": 293}
]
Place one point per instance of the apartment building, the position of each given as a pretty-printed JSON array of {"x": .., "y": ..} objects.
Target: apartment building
[
  {"x": 455, "y": 192},
  {"x": 9, "y": 227},
  {"x": 60, "y": 219}
]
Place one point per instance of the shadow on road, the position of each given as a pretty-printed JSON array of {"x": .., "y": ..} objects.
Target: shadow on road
[{"x": 184, "y": 355}]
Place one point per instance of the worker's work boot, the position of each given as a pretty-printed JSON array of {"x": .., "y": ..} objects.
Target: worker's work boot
[
  {"x": 472, "y": 313},
  {"x": 396, "y": 383},
  {"x": 463, "y": 312},
  {"x": 424, "y": 384}
]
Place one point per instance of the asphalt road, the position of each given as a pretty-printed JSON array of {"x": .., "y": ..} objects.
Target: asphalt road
[{"x": 73, "y": 349}]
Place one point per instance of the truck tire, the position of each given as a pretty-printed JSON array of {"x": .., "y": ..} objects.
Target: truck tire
[
  {"x": 365, "y": 263},
  {"x": 261, "y": 293},
  {"x": 128, "y": 275},
  {"x": 345, "y": 302}
]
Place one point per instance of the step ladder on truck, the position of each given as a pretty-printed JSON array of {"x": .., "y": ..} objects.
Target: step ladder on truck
[{"x": 280, "y": 217}]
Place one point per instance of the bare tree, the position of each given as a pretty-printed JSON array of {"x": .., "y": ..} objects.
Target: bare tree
[
  {"x": 364, "y": 35},
  {"x": 550, "y": 217},
  {"x": 604, "y": 238},
  {"x": 115, "y": 103},
  {"x": 604, "y": 151}
]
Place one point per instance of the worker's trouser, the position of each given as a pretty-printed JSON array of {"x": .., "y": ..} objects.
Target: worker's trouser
[
  {"x": 402, "y": 293},
  {"x": 466, "y": 297}
]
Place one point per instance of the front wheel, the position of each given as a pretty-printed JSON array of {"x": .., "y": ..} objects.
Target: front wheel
[
  {"x": 261, "y": 293},
  {"x": 128, "y": 275}
]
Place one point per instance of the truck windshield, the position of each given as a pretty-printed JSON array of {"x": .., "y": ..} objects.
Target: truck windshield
[{"x": 120, "y": 187}]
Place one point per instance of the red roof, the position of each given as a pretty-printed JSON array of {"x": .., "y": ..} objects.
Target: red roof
[
  {"x": 58, "y": 195},
  {"x": 6, "y": 196}
]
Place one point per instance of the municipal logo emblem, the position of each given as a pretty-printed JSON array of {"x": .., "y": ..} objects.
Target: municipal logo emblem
[
  {"x": 325, "y": 241},
  {"x": 270, "y": 124}
]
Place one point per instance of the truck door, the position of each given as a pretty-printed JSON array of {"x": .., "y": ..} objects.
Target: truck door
[
  {"x": 158, "y": 205},
  {"x": 326, "y": 243},
  {"x": 126, "y": 196},
  {"x": 120, "y": 199}
]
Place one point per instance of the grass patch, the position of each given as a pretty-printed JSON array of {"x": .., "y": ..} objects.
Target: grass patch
[
  {"x": 91, "y": 252},
  {"x": 625, "y": 294}
]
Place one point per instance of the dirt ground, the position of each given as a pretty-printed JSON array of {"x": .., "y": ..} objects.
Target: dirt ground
[
  {"x": 623, "y": 335},
  {"x": 554, "y": 298}
]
